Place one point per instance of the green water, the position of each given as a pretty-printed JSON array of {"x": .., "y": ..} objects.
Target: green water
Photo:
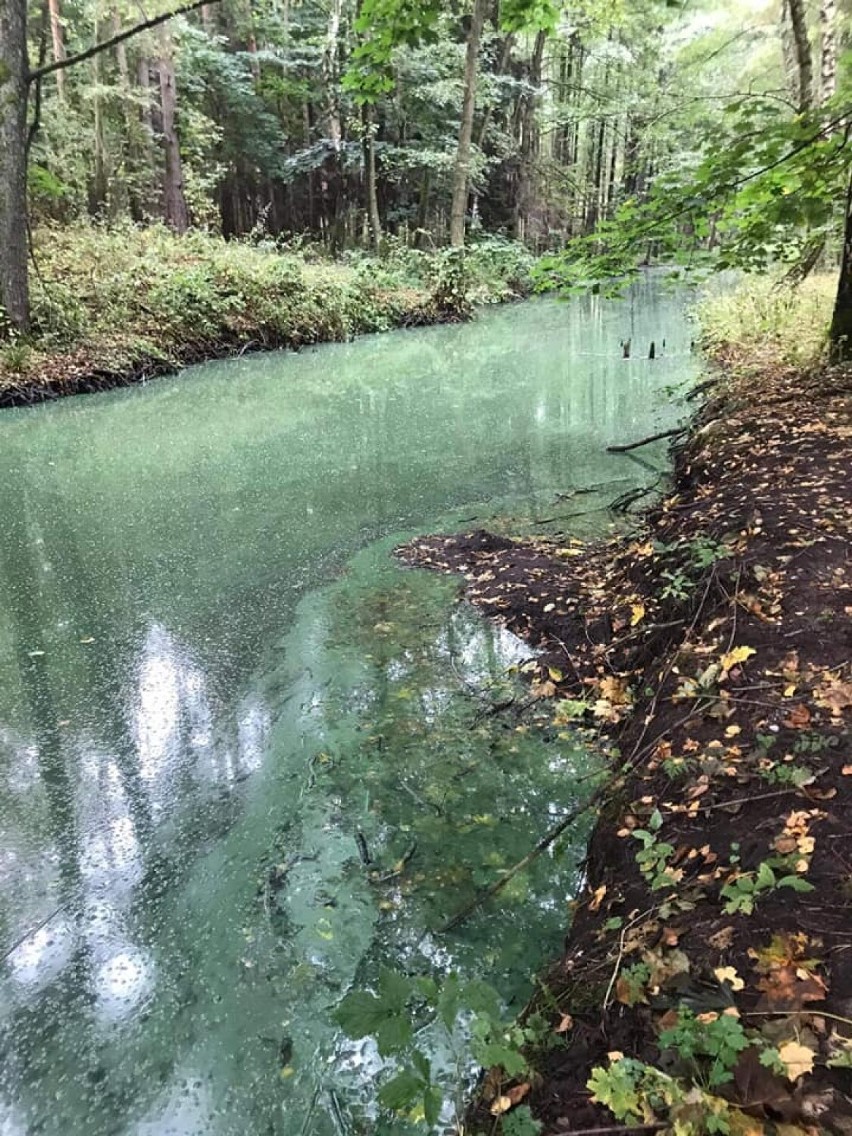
[{"x": 213, "y": 675}]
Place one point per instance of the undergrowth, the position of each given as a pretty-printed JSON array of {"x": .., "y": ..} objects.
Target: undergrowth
[
  {"x": 115, "y": 297},
  {"x": 768, "y": 320}
]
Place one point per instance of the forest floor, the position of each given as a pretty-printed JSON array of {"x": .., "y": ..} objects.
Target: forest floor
[
  {"x": 706, "y": 984},
  {"x": 117, "y": 306}
]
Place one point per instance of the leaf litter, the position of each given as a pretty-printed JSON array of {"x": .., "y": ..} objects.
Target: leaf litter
[{"x": 709, "y": 652}]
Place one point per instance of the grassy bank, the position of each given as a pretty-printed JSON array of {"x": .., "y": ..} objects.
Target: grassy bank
[
  {"x": 707, "y": 977},
  {"x": 762, "y": 323},
  {"x": 115, "y": 306}
]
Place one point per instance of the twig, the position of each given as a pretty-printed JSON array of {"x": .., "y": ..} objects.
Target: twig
[
  {"x": 747, "y": 800},
  {"x": 646, "y": 441},
  {"x": 29, "y": 934},
  {"x": 621, "y": 943},
  {"x": 566, "y": 516},
  {"x": 611, "y": 1130},
  {"x": 541, "y": 846},
  {"x": 622, "y": 503}
]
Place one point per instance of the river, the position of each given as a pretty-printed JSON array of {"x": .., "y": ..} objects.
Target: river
[{"x": 214, "y": 677}]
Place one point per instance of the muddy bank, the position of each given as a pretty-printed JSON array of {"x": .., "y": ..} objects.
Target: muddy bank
[{"x": 706, "y": 982}]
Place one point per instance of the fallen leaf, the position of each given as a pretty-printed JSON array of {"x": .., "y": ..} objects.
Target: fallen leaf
[
  {"x": 565, "y": 1024},
  {"x": 722, "y": 939},
  {"x": 637, "y": 613},
  {"x": 728, "y": 975},
  {"x": 738, "y": 655},
  {"x": 597, "y": 897},
  {"x": 517, "y": 1092},
  {"x": 797, "y": 1059},
  {"x": 798, "y": 717}
]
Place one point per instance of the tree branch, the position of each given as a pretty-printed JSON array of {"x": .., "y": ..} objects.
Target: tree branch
[
  {"x": 113, "y": 41},
  {"x": 646, "y": 441}
]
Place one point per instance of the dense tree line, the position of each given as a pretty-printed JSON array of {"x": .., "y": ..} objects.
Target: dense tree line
[{"x": 352, "y": 122}]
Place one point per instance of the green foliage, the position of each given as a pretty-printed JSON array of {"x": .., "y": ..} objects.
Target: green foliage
[
  {"x": 639, "y": 1093},
  {"x": 720, "y": 1040},
  {"x": 654, "y": 855},
  {"x": 769, "y": 180},
  {"x": 743, "y": 889},
  {"x": 520, "y": 1122},
  {"x": 467, "y": 1018},
  {"x": 689, "y": 559}
]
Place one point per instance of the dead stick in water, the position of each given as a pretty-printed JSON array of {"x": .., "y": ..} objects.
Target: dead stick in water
[
  {"x": 542, "y": 846},
  {"x": 646, "y": 441}
]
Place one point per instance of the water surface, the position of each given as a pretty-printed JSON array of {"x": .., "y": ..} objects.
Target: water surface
[{"x": 213, "y": 676}]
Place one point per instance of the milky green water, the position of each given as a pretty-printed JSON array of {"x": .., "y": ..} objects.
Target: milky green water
[{"x": 213, "y": 676}]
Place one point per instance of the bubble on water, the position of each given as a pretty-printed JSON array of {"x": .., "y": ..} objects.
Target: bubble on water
[{"x": 122, "y": 983}]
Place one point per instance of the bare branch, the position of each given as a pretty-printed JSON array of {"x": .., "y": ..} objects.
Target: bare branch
[{"x": 113, "y": 41}]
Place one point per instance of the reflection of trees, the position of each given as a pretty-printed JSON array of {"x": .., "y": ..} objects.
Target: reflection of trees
[
  {"x": 105, "y": 665},
  {"x": 23, "y": 569}
]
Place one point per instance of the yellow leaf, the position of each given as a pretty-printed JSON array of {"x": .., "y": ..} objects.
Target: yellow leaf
[
  {"x": 501, "y": 1105},
  {"x": 596, "y": 899},
  {"x": 637, "y": 613},
  {"x": 727, "y": 974},
  {"x": 797, "y": 1059},
  {"x": 739, "y": 655}
]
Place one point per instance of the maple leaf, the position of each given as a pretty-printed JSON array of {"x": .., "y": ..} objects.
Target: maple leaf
[{"x": 798, "y": 1059}]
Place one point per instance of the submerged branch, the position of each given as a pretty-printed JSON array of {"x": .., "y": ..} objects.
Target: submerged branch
[
  {"x": 542, "y": 846},
  {"x": 646, "y": 441}
]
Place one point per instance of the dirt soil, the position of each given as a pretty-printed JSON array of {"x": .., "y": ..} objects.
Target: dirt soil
[{"x": 712, "y": 648}]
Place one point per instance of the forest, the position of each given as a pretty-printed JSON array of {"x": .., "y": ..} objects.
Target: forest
[{"x": 600, "y": 135}]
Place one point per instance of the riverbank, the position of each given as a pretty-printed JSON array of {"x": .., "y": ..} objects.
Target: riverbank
[
  {"x": 114, "y": 307},
  {"x": 706, "y": 983}
]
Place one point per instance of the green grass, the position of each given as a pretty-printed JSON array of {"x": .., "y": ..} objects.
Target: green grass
[{"x": 768, "y": 321}]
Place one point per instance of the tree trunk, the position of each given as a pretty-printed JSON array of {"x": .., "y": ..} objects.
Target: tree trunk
[
  {"x": 461, "y": 170},
  {"x": 370, "y": 172},
  {"x": 14, "y": 285},
  {"x": 828, "y": 49},
  {"x": 58, "y": 41},
  {"x": 175, "y": 211},
  {"x": 804, "y": 60},
  {"x": 840, "y": 336},
  {"x": 529, "y": 138},
  {"x": 99, "y": 184}
]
